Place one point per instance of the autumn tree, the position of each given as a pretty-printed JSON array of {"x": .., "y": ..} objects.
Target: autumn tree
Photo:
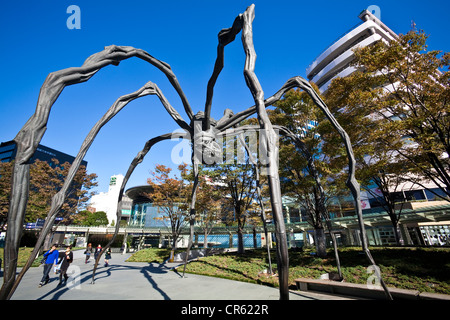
[
  {"x": 45, "y": 181},
  {"x": 171, "y": 195}
]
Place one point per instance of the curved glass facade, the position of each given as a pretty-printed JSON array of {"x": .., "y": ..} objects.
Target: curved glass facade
[{"x": 145, "y": 215}]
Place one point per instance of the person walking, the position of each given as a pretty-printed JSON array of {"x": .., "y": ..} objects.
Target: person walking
[
  {"x": 88, "y": 252},
  {"x": 58, "y": 266},
  {"x": 50, "y": 258},
  {"x": 107, "y": 256},
  {"x": 66, "y": 260},
  {"x": 97, "y": 251}
]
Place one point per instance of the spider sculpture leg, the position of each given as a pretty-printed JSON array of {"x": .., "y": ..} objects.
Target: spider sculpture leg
[
  {"x": 195, "y": 164},
  {"x": 244, "y": 23},
  {"x": 259, "y": 195},
  {"x": 269, "y": 139}
]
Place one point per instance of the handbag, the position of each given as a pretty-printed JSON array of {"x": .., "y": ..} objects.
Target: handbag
[
  {"x": 58, "y": 268},
  {"x": 43, "y": 258}
]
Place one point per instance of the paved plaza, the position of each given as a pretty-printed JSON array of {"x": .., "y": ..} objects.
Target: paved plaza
[{"x": 123, "y": 280}]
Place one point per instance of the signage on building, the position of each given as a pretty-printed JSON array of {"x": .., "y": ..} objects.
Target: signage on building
[
  {"x": 126, "y": 212},
  {"x": 35, "y": 225}
]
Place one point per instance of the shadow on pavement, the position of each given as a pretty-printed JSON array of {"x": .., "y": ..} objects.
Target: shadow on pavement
[{"x": 86, "y": 278}]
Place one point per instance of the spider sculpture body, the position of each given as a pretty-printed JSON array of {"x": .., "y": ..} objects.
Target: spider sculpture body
[{"x": 200, "y": 129}]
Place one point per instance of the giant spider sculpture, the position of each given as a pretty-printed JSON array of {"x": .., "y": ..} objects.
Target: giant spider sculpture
[{"x": 201, "y": 130}]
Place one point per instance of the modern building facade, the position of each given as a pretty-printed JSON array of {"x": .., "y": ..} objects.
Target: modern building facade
[
  {"x": 335, "y": 61},
  {"x": 143, "y": 213},
  {"x": 8, "y": 151}
]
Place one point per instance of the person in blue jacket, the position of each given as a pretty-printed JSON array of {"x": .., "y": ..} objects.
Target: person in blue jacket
[{"x": 51, "y": 257}]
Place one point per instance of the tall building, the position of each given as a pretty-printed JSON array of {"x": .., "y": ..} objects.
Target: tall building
[
  {"x": 335, "y": 61},
  {"x": 107, "y": 201}
]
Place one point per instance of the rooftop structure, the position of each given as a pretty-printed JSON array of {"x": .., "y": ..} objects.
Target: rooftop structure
[{"x": 335, "y": 60}]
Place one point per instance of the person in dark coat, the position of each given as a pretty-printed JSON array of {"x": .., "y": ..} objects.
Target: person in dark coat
[
  {"x": 107, "y": 256},
  {"x": 65, "y": 261},
  {"x": 97, "y": 251},
  {"x": 88, "y": 252}
]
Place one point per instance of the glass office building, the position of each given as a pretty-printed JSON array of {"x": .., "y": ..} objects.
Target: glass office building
[
  {"x": 143, "y": 213},
  {"x": 8, "y": 151}
]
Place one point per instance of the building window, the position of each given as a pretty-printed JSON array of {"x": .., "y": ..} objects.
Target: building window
[
  {"x": 432, "y": 196},
  {"x": 415, "y": 195}
]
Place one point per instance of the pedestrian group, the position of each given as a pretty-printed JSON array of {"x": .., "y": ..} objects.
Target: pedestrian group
[{"x": 62, "y": 260}]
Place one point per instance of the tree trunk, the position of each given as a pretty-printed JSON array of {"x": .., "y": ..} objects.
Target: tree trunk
[
  {"x": 398, "y": 235},
  {"x": 205, "y": 240},
  {"x": 320, "y": 242},
  {"x": 240, "y": 241},
  {"x": 174, "y": 247}
]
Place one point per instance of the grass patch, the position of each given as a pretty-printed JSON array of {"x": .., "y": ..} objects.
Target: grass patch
[
  {"x": 150, "y": 255},
  {"x": 24, "y": 254}
]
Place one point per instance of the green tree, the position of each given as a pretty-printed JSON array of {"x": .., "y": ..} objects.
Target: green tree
[
  {"x": 401, "y": 96},
  {"x": 238, "y": 180},
  {"x": 87, "y": 218},
  {"x": 304, "y": 170},
  {"x": 209, "y": 201}
]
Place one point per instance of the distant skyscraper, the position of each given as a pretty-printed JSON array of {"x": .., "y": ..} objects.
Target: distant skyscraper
[
  {"x": 8, "y": 152},
  {"x": 107, "y": 201}
]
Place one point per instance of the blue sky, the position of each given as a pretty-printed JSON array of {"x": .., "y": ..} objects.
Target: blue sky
[{"x": 288, "y": 35}]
